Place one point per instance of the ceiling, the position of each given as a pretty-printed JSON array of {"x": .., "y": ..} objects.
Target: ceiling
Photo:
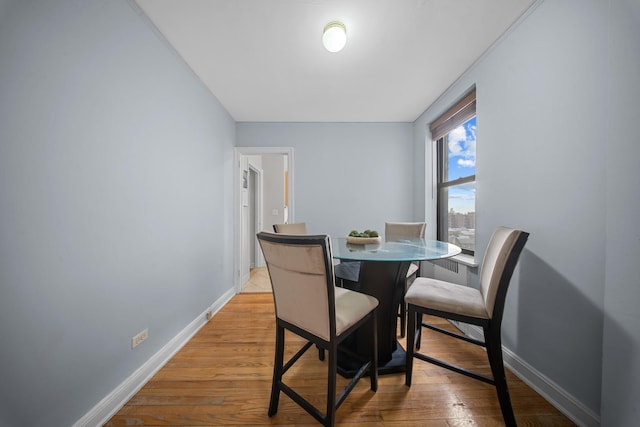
[{"x": 264, "y": 60}]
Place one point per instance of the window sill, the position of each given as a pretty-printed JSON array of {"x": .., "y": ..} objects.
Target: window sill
[{"x": 465, "y": 259}]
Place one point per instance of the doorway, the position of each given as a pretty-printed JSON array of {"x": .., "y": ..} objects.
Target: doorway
[{"x": 263, "y": 195}]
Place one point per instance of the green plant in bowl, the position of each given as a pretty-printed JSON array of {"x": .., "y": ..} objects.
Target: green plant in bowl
[{"x": 366, "y": 234}]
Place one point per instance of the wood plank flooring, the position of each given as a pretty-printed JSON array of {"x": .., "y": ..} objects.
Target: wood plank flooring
[
  {"x": 259, "y": 281},
  {"x": 222, "y": 377}
]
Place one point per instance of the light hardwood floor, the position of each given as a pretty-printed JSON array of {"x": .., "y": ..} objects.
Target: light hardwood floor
[
  {"x": 222, "y": 377},
  {"x": 258, "y": 281}
]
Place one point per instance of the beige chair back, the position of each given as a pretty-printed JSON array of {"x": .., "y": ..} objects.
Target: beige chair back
[
  {"x": 404, "y": 229},
  {"x": 498, "y": 264},
  {"x": 301, "y": 272},
  {"x": 294, "y": 228}
]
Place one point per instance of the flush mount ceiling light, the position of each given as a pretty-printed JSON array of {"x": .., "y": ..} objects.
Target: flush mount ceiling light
[{"x": 334, "y": 36}]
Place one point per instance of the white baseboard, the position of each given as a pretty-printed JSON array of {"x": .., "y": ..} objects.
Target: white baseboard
[
  {"x": 555, "y": 395},
  {"x": 114, "y": 401}
]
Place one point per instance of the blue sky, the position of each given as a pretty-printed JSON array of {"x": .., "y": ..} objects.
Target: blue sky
[{"x": 462, "y": 162}]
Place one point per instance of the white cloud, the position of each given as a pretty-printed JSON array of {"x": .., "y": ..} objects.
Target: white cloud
[
  {"x": 457, "y": 140},
  {"x": 462, "y": 143},
  {"x": 472, "y": 132},
  {"x": 470, "y": 148}
]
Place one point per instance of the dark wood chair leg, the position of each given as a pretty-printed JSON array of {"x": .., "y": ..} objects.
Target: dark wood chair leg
[
  {"x": 330, "y": 416},
  {"x": 403, "y": 305},
  {"x": 277, "y": 371},
  {"x": 373, "y": 370},
  {"x": 418, "y": 337},
  {"x": 403, "y": 318},
  {"x": 412, "y": 331},
  {"x": 494, "y": 352}
]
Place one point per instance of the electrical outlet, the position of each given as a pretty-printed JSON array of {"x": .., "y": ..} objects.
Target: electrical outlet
[{"x": 137, "y": 339}]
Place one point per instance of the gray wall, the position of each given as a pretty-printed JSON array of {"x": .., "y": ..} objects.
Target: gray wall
[
  {"x": 549, "y": 164},
  {"x": 621, "y": 353},
  {"x": 346, "y": 175},
  {"x": 115, "y": 202}
]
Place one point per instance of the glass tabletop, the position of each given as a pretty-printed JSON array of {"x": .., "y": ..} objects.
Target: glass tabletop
[{"x": 402, "y": 249}]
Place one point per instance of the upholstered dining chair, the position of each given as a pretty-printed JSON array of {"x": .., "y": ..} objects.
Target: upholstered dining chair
[
  {"x": 482, "y": 307},
  {"x": 296, "y": 228},
  {"x": 292, "y": 228},
  {"x": 308, "y": 303},
  {"x": 398, "y": 230}
]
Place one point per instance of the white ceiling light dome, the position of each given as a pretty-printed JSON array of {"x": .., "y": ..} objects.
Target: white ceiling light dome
[{"x": 334, "y": 36}]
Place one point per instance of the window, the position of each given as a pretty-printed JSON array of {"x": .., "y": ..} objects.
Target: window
[{"x": 454, "y": 136}]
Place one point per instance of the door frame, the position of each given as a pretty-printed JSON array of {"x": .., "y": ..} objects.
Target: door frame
[
  {"x": 239, "y": 154},
  {"x": 257, "y": 212}
]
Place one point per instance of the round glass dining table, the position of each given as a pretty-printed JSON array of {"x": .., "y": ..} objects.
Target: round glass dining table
[
  {"x": 397, "y": 249},
  {"x": 381, "y": 272}
]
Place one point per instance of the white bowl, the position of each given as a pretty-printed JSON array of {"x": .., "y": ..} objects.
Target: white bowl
[{"x": 363, "y": 240}]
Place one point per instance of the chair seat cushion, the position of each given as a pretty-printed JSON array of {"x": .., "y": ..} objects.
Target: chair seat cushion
[
  {"x": 447, "y": 297},
  {"x": 351, "y": 306},
  {"x": 413, "y": 269}
]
